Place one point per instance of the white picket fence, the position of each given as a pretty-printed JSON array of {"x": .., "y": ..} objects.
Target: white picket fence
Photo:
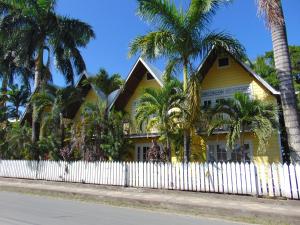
[{"x": 276, "y": 180}]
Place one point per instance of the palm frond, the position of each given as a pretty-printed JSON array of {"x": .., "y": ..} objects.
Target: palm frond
[
  {"x": 161, "y": 12},
  {"x": 271, "y": 10}
]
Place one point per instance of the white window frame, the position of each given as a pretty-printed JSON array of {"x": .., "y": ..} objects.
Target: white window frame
[
  {"x": 141, "y": 146},
  {"x": 229, "y": 152},
  {"x": 225, "y": 93}
]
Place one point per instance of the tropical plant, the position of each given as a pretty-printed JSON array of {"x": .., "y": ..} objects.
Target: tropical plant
[
  {"x": 10, "y": 68},
  {"x": 182, "y": 36},
  {"x": 89, "y": 131},
  {"x": 38, "y": 29},
  {"x": 243, "y": 114},
  {"x": 272, "y": 10},
  {"x": 17, "y": 142},
  {"x": 17, "y": 97},
  {"x": 52, "y": 105},
  {"x": 105, "y": 82},
  {"x": 114, "y": 142},
  {"x": 264, "y": 65},
  {"x": 161, "y": 109}
]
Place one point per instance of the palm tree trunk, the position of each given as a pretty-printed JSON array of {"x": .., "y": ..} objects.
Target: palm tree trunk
[
  {"x": 186, "y": 133},
  {"x": 4, "y": 90},
  {"x": 62, "y": 129},
  {"x": 17, "y": 111},
  {"x": 242, "y": 145},
  {"x": 168, "y": 149},
  {"x": 37, "y": 84},
  {"x": 288, "y": 96}
]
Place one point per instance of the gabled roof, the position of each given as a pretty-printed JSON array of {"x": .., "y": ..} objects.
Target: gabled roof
[
  {"x": 71, "y": 112},
  {"x": 134, "y": 77},
  {"x": 212, "y": 56}
]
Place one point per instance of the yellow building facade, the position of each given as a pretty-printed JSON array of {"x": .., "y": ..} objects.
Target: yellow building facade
[{"x": 223, "y": 75}]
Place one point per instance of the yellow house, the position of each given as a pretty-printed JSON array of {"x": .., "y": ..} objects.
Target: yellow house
[
  {"x": 143, "y": 75},
  {"x": 223, "y": 75}
]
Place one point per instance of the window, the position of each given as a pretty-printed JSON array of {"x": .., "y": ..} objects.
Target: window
[
  {"x": 207, "y": 104},
  {"x": 219, "y": 101},
  {"x": 218, "y": 152},
  {"x": 223, "y": 62},
  {"x": 142, "y": 153},
  {"x": 237, "y": 155},
  {"x": 149, "y": 76}
]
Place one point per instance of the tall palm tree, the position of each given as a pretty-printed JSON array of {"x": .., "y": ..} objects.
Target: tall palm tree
[
  {"x": 17, "y": 97},
  {"x": 272, "y": 10},
  {"x": 39, "y": 30},
  {"x": 107, "y": 83},
  {"x": 161, "y": 109},
  {"x": 182, "y": 36},
  {"x": 243, "y": 114}
]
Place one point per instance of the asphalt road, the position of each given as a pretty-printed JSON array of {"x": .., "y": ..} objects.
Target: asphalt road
[{"x": 21, "y": 209}]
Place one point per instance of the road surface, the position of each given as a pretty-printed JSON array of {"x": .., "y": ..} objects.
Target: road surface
[{"x": 21, "y": 209}]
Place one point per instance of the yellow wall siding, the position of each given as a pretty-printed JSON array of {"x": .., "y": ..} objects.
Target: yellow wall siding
[
  {"x": 91, "y": 97},
  {"x": 235, "y": 75},
  {"x": 144, "y": 83}
]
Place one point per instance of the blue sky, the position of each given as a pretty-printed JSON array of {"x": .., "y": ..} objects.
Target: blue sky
[{"x": 116, "y": 24}]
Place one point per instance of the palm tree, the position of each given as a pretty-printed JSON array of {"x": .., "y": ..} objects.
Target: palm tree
[
  {"x": 38, "y": 29},
  {"x": 17, "y": 97},
  {"x": 161, "y": 109},
  {"x": 11, "y": 67},
  {"x": 243, "y": 114},
  {"x": 91, "y": 130},
  {"x": 105, "y": 82},
  {"x": 182, "y": 36},
  {"x": 52, "y": 104},
  {"x": 272, "y": 9}
]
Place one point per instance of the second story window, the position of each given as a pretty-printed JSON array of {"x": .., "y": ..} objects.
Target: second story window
[{"x": 223, "y": 62}]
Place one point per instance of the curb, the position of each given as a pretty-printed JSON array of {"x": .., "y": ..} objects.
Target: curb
[{"x": 240, "y": 215}]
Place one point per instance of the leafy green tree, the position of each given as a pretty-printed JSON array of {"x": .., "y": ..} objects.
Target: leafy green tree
[
  {"x": 17, "y": 97},
  {"x": 181, "y": 36},
  {"x": 89, "y": 131},
  {"x": 114, "y": 142},
  {"x": 105, "y": 82},
  {"x": 274, "y": 16},
  {"x": 39, "y": 30},
  {"x": 161, "y": 109},
  {"x": 265, "y": 66},
  {"x": 241, "y": 115},
  {"x": 17, "y": 142}
]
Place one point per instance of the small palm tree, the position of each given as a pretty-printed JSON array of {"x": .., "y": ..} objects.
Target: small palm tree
[
  {"x": 161, "y": 109},
  {"x": 181, "y": 36},
  {"x": 243, "y": 114},
  {"x": 89, "y": 133},
  {"x": 36, "y": 29},
  {"x": 272, "y": 9},
  {"x": 52, "y": 104},
  {"x": 17, "y": 97}
]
